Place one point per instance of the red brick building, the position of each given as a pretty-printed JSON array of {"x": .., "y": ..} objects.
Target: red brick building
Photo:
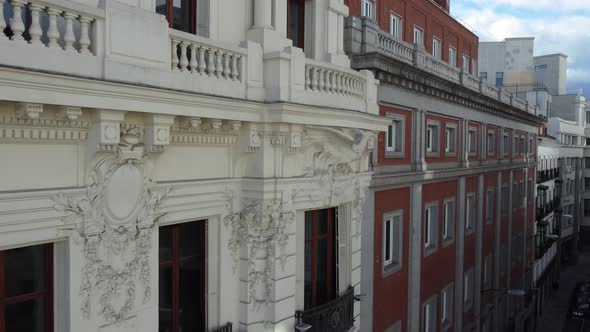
[{"x": 450, "y": 207}]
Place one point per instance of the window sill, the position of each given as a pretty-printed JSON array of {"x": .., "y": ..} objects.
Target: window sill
[
  {"x": 448, "y": 241},
  {"x": 390, "y": 269},
  {"x": 394, "y": 154},
  {"x": 429, "y": 250},
  {"x": 446, "y": 325},
  {"x": 450, "y": 154},
  {"x": 432, "y": 154}
]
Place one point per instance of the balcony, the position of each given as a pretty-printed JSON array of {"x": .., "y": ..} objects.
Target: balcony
[
  {"x": 365, "y": 37},
  {"x": 335, "y": 316},
  {"x": 544, "y": 259},
  {"x": 547, "y": 175},
  {"x": 225, "y": 328},
  {"x": 547, "y": 208},
  {"x": 118, "y": 43}
]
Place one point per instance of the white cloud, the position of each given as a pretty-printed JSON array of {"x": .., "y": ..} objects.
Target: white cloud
[{"x": 564, "y": 32}]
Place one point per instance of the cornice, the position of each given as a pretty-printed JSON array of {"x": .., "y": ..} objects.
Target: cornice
[{"x": 391, "y": 71}]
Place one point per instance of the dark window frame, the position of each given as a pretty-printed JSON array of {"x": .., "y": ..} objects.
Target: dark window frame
[
  {"x": 301, "y": 24},
  {"x": 47, "y": 291},
  {"x": 192, "y": 12},
  {"x": 175, "y": 263}
]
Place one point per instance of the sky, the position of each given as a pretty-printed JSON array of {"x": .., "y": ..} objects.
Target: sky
[{"x": 559, "y": 26}]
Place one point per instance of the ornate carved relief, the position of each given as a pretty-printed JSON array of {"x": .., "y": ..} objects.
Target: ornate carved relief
[
  {"x": 14, "y": 128},
  {"x": 115, "y": 222},
  {"x": 262, "y": 227}
]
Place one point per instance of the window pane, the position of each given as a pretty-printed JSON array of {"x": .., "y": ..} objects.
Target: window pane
[
  {"x": 387, "y": 240},
  {"x": 161, "y": 7},
  {"x": 322, "y": 273},
  {"x": 322, "y": 221},
  {"x": 24, "y": 270},
  {"x": 190, "y": 310},
  {"x": 165, "y": 298},
  {"x": 308, "y": 281},
  {"x": 398, "y": 136},
  {"x": 182, "y": 18},
  {"x": 390, "y": 136},
  {"x": 26, "y": 316},
  {"x": 308, "y": 225},
  {"x": 190, "y": 235},
  {"x": 165, "y": 238}
]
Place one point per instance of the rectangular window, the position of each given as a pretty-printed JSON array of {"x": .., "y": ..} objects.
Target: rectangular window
[
  {"x": 180, "y": 14},
  {"x": 432, "y": 136},
  {"x": 505, "y": 201},
  {"x": 395, "y": 23},
  {"x": 450, "y": 139},
  {"x": 499, "y": 78},
  {"x": 465, "y": 64},
  {"x": 368, "y": 8},
  {"x": 540, "y": 67},
  {"x": 506, "y": 144},
  {"x": 296, "y": 22},
  {"x": 448, "y": 226},
  {"x": 418, "y": 36},
  {"x": 394, "y": 137},
  {"x": 487, "y": 273},
  {"x": 436, "y": 48},
  {"x": 474, "y": 66},
  {"x": 490, "y": 207},
  {"x": 430, "y": 225},
  {"x": 522, "y": 147},
  {"x": 320, "y": 257},
  {"x": 586, "y": 207},
  {"x": 468, "y": 290},
  {"x": 587, "y": 183},
  {"x": 453, "y": 56},
  {"x": 392, "y": 242},
  {"x": 182, "y": 285},
  {"x": 446, "y": 302},
  {"x": 429, "y": 315},
  {"x": 472, "y": 141},
  {"x": 484, "y": 76},
  {"x": 515, "y": 147},
  {"x": 470, "y": 213},
  {"x": 26, "y": 289},
  {"x": 491, "y": 143}
]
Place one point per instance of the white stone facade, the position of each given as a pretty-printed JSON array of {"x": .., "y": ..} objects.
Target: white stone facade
[{"x": 122, "y": 125}]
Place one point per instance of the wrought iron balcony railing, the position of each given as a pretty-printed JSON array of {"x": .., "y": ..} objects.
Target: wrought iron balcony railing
[
  {"x": 335, "y": 316},
  {"x": 225, "y": 328}
]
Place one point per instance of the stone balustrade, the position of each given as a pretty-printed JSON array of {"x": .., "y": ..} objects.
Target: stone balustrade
[
  {"x": 61, "y": 25},
  {"x": 395, "y": 48},
  {"x": 200, "y": 56},
  {"x": 363, "y": 36},
  {"x": 319, "y": 77}
]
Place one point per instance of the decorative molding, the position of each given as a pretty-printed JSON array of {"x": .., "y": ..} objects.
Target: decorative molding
[
  {"x": 69, "y": 112},
  {"x": 115, "y": 222},
  {"x": 191, "y": 131},
  {"x": 262, "y": 226},
  {"x": 20, "y": 129},
  {"x": 28, "y": 110}
]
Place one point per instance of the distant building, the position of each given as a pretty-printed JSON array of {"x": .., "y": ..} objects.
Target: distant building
[{"x": 551, "y": 70}]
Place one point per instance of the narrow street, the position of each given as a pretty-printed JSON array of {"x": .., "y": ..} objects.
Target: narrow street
[{"x": 554, "y": 317}]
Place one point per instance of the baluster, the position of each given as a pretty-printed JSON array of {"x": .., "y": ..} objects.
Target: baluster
[
  {"x": 336, "y": 84},
  {"x": 341, "y": 83},
  {"x": 193, "y": 62},
  {"x": 226, "y": 70},
  {"x": 2, "y": 21},
  {"x": 219, "y": 64},
  {"x": 35, "y": 28},
  {"x": 328, "y": 82},
  {"x": 347, "y": 89},
  {"x": 202, "y": 63},
  {"x": 321, "y": 84},
  {"x": 16, "y": 23},
  {"x": 183, "y": 57},
  {"x": 84, "y": 34},
  {"x": 307, "y": 78},
  {"x": 69, "y": 37},
  {"x": 234, "y": 67},
  {"x": 314, "y": 78},
  {"x": 211, "y": 62},
  {"x": 52, "y": 31},
  {"x": 174, "y": 54}
]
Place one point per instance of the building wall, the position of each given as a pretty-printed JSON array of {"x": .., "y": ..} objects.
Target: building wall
[{"x": 552, "y": 70}]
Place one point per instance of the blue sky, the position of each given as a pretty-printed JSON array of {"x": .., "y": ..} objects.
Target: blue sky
[{"x": 559, "y": 26}]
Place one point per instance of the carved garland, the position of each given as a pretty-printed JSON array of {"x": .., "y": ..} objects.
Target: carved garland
[
  {"x": 116, "y": 238},
  {"x": 262, "y": 226}
]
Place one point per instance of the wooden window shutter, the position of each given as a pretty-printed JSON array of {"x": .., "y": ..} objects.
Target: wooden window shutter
[{"x": 343, "y": 219}]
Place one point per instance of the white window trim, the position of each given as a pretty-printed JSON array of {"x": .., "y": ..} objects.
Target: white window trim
[
  {"x": 465, "y": 70},
  {"x": 468, "y": 290},
  {"x": 453, "y": 60},
  {"x": 429, "y": 322},
  {"x": 436, "y": 55},
  {"x": 470, "y": 225},
  {"x": 450, "y": 295},
  {"x": 430, "y": 247},
  {"x": 399, "y": 31},
  {"x": 493, "y": 141},
  {"x": 450, "y": 225},
  {"x": 391, "y": 267},
  {"x": 421, "y": 34},
  {"x": 391, "y": 153},
  {"x": 372, "y": 5},
  {"x": 454, "y": 152},
  {"x": 430, "y": 139},
  {"x": 472, "y": 130}
]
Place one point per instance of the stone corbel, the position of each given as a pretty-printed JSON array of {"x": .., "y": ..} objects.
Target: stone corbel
[
  {"x": 70, "y": 113},
  {"x": 191, "y": 122},
  {"x": 215, "y": 123},
  {"x": 157, "y": 131},
  {"x": 295, "y": 138},
  {"x": 29, "y": 110},
  {"x": 105, "y": 133},
  {"x": 254, "y": 138}
]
